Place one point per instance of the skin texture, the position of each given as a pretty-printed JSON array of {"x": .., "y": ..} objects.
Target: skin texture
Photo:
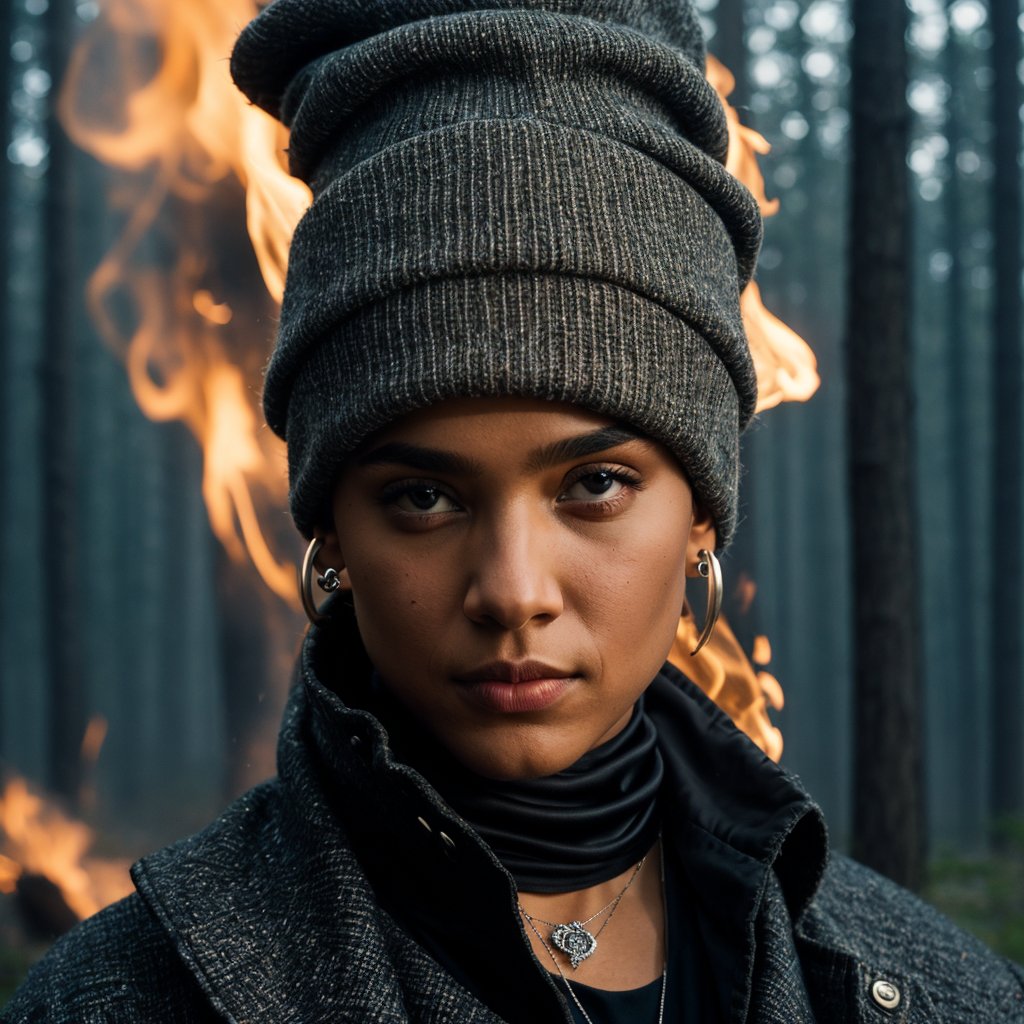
[
  {"x": 485, "y": 530},
  {"x": 482, "y": 550}
]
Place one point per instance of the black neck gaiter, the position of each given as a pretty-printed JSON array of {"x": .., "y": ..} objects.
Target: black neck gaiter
[{"x": 559, "y": 833}]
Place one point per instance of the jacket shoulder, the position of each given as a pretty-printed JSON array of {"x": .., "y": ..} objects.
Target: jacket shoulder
[
  {"x": 883, "y": 925},
  {"x": 115, "y": 967}
]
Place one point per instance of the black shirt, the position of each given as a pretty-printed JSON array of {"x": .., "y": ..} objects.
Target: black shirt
[{"x": 689, "y": 999}]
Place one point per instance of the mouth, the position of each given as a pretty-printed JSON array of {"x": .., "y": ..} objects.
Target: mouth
[{"x": 516, "y": 687}]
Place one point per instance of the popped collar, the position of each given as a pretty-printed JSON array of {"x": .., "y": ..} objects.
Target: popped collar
[{"x": 731, "y": 816}]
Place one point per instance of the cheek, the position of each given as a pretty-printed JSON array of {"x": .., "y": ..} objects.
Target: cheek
[
  {"x": 632, "y": 591},
  {"x": 643, "y": 569},
  {"x": 403, "y": 600}
]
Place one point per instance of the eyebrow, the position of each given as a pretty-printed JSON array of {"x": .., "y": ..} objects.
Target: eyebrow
[
  {"x": 429, "y": 460},
  {"x": 581, "y": 446},
  {"x": 436, "y": 460}
]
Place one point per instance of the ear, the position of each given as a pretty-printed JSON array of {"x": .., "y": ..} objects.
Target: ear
[
  {"x": 331, "y": 557},
  {"x": 702, "y": 536}
]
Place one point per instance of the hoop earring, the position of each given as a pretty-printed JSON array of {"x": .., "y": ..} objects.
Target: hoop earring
[
  {"x": 710, "y": 568},
  {"x": 329, "y": 581}
]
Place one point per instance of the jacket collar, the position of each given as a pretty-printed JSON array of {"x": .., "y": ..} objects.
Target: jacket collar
[
  {"x": 738, "y": 824},
  {"x": 299, "y": 879}
]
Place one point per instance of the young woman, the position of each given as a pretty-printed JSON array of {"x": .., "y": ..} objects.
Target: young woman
[{"x": 512, "y": 376}]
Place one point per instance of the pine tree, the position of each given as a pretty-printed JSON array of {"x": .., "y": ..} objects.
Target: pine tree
[{"x": 888, "y": 795}]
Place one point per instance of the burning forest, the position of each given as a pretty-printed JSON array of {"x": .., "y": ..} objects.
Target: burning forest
[
  {"x": 182, "y": 284},
  {"x": 188, "y": 306}
]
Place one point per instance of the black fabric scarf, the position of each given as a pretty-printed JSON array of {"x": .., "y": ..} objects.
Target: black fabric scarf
[{"x": 559, "y": 833}]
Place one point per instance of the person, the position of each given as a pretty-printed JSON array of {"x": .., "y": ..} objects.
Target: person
[{"x": 512, "y": 375}]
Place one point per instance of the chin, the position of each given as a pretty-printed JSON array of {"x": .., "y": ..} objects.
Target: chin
[{"x": 517, "y": 762}]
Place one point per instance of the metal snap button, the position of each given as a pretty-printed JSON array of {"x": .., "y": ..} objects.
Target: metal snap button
[
  {"x": 425, "y": 824},
  {"x": 886, "y": 994}
]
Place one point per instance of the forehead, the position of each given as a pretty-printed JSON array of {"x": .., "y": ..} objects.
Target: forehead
[{"x": 470, "y": 420}]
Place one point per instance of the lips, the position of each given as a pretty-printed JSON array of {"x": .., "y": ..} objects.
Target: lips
[
  {"x": 516, "y": 687},
  {"x": 512, "y": 672}
]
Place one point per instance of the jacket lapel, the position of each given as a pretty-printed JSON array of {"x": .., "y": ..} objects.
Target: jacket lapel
[{"x": 273, "y": 915}]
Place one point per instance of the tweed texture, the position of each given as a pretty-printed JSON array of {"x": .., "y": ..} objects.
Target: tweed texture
[
  {"x": 117, "y": 966},
  {"x": 953, "y": 974},
  {"x": 511, "y": 198}
]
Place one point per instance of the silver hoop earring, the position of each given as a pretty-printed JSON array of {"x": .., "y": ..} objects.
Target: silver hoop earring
[
  {"x": 329, "y": 581},
  {"x": 710, "y": 568}
]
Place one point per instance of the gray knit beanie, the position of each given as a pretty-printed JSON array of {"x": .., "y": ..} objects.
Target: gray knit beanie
[{"x": 511, "y": 197}]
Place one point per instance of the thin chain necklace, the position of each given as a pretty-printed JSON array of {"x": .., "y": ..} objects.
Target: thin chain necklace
[
  {"x": 561, "y": 973},
  {"x": 573, "y": 939}
]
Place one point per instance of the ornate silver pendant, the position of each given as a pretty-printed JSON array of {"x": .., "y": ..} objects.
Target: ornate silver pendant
[{"x": 574, "y": 941}]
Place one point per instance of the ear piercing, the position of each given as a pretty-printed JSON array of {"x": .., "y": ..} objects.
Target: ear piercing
[
  {"x": 329, "y": 582},
  {"x": 710, "y": 568}
]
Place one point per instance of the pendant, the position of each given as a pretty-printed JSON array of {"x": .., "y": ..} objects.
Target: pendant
[{"x": 574, "y": 941}]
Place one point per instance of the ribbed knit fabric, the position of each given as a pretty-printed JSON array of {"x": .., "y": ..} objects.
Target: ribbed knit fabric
[{"x": 510, "y": 199}]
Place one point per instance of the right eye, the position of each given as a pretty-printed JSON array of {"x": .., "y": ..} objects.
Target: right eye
[
  {"x": 419, "y": 498},
  {"x": 425, "y": 499}
]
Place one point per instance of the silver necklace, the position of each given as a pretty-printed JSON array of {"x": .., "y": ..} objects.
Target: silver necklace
[
  {"x": 572, "y": 938},
  {"x": 561, "y": 973}
]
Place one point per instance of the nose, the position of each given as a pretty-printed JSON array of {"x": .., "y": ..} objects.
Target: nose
[{"x": 513, "y": 579}]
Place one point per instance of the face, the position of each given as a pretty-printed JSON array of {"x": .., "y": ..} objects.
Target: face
[{"x": 518, "y": 569}]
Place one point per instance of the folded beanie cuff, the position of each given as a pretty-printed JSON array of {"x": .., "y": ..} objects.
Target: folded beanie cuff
[
  {"x": 503, "y": 196},
  {"x": 590, "y": 343}
]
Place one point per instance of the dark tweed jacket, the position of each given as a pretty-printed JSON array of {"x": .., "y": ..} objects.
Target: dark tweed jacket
[{"x": 282, "y": 910}]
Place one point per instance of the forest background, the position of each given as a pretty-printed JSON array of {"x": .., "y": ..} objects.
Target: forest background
[{"x": 144, "y": 660}]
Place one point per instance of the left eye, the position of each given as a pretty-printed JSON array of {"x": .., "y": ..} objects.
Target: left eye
[
  {"x": 601, "y": 484},
  {"x": 425, "y": 499}
]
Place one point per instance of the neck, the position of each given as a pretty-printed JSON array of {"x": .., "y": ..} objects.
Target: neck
[
  {"x": 570, "y": 832},
  {"x": 630, "y": 952}
]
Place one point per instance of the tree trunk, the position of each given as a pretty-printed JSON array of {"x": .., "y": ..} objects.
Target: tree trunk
[
  {"x": 964, "y": 713},
  {"x": 729, "y": 47},
  {"x": 1007, "y": 775},
  {"x": 888, "y": 799},
  {"x": 6, "y": 612},
  {"x": 59, "y": 555}
]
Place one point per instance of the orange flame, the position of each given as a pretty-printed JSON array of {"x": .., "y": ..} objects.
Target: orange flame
[
  {"x": 787, "y": 370},
  {"x": 37, "y": 838},
  {"x": 723, "y": 672},
  {"x": 746, "y": 591},
  {"x": 195, "y": 139},
  {"x": 92, "y": 741},
  {"x": 762, "y": 653}
]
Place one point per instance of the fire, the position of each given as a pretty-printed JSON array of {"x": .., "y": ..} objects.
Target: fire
[
  {"x": 746, "y": 591},
  {"x": 192, "y": 138},
  {"x": 723, "y": 671},
  {"x": 786, "y": 366},
  {"x": 762, "y": 652},
  {"x": 37, "y": 838},
  {"x": 770, "y": 686},
  {"x": 786, "y": 371},
  {"x": 188, "y": 119}
]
